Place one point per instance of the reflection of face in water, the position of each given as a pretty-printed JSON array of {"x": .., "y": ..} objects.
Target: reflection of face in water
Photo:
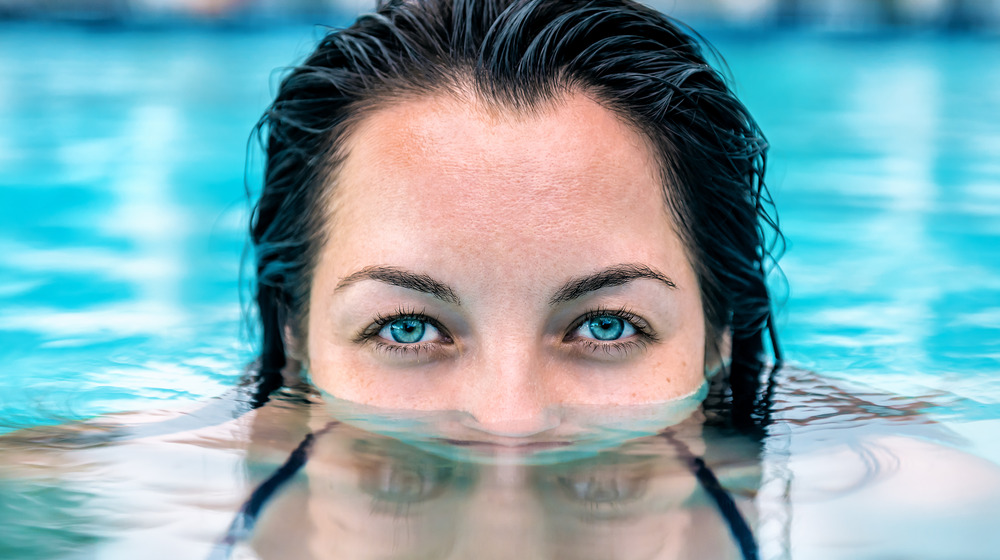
[
  {"x": 370, "y": 496},
  {"x": 390, "y": 498}
]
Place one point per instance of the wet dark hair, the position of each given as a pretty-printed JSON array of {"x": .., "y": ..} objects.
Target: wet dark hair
[{"x": 517, "y": 55}]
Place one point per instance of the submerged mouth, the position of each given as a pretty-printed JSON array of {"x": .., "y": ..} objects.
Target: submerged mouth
[{"x": 509, "y": 444}]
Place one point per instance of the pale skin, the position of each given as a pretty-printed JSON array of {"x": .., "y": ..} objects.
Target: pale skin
[{"x": 498, "y": 239}]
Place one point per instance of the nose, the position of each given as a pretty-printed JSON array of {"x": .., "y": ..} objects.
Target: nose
[{"x": 506, "y": 393}]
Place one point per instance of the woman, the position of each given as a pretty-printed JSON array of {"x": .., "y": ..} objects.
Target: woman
[
  {"x": 512, "y": 210},
  {"x": 500, "y": 207}
]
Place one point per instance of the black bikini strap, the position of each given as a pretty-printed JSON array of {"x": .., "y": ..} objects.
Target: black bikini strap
[
  {"x": 727, "y": 507},
  {"x": 243, "y": 525},
  {"x": 738, "y": 526}
]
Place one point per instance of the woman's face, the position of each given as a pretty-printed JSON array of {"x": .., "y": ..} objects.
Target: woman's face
[{"x": 502, "y": 263}]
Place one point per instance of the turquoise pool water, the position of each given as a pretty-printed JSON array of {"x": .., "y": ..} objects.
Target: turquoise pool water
[
  {"x": 121, "y": 222},
  {"x": 122, "y": 211}
]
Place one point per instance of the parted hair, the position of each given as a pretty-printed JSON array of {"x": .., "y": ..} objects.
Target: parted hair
[{"x": 647, "y": 68}]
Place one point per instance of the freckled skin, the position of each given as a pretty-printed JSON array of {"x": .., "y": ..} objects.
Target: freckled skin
[{"x": 503, "y": 208}]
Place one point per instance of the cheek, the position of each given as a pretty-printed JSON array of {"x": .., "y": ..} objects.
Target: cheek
[
  {"x": 350, "y": 374},
  {"x": 673, "y": 367},
  {"x": 676, "y": 368}
]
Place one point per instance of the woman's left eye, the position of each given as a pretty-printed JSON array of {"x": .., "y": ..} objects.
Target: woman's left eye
[
  {"x": 409, "y": 330},
  {"x": 605, "y": 328}
]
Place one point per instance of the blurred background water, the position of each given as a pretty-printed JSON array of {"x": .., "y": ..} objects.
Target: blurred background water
[
  {"x": 834, "y": 14},
  {"x": 123, "y": 141}
]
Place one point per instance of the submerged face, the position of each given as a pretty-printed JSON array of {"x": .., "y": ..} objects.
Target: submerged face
[{"x": 502, "y": 264}]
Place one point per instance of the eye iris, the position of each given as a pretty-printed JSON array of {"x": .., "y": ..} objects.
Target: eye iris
[
  {"x": 407, "y": 330},
  {"x": 606, "y": 327}
]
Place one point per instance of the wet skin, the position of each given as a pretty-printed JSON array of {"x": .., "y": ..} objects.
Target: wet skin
[{"x": 501, "y": 264}]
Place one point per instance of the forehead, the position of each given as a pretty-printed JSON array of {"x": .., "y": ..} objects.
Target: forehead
[{"x": 449, "y": 157}]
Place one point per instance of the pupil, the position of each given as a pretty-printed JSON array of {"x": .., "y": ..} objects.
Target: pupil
[
  {"x": 407, "y": 330},
  {"x": 606, "y": 328}
]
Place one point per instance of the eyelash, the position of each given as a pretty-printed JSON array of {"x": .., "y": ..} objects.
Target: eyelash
[
  {"x": 643, "y": 333},
  {"x": 370, "y": 334}
]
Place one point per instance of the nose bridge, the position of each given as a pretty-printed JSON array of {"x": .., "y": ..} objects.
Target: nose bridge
[{"x": 506, "y": 392}]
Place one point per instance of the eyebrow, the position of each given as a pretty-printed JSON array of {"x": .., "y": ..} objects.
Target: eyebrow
[
  {"x": 611, "y": 276},
  {"x": 404, "y": 279}
]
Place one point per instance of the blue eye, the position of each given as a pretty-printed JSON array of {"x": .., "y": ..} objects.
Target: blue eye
[
  {"x": 606, "y": 327},
  {"x": 409, "y": 330}
]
